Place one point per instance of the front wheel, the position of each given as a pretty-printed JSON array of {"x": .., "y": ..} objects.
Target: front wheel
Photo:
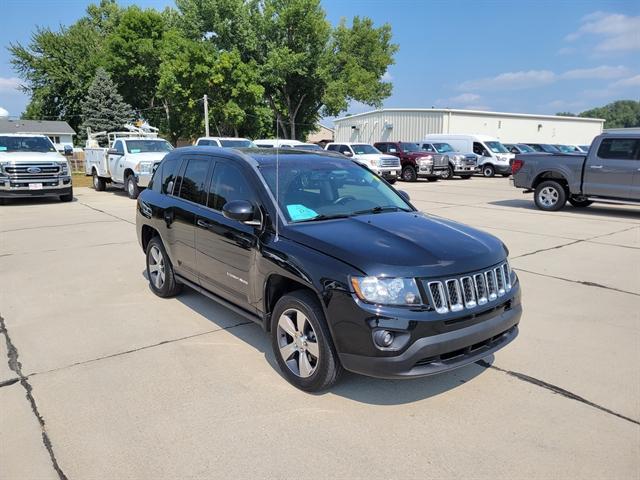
[
  {"x": 447, "y": 174},
  {"x": 550, "y": 196},
  {"x": 465, "y": 177},
  {"x": 67, "y": 197},
  {"x": 432, "y": 179},
  {"x": 391, "y": 181},
  {"x": 506, "y": 174},
  {"x": 132, "y": 187},
  {"x": 160, "y": 273},
  {"x": 488, "y": 171},
  {"x": 409, "y": 174},
  {"x": 302, "y": 344}
]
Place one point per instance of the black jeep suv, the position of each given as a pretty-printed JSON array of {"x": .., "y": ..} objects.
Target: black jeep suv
[{"x": 337, "y": 265}]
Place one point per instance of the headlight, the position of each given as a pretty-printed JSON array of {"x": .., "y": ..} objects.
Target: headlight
[
  {"x": 64, "y": 168},
  {"x": 426, "y": 160},
  {"x": 375, "y": 162},
  {"x": 387, "y": 291},
  {"x": 144, "y": 167}
]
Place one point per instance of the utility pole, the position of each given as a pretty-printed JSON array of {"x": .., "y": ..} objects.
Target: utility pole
[{"x": 206, "y": 116}]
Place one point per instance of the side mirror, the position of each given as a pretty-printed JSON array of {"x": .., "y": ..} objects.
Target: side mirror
[
  {"x": 239, "y": 210},
  {"x": 348, "y": 154},
  {"x": 404, "y": 195},
  {"x": 68, "y": 151},
  {"x": 113, "y": 151}
]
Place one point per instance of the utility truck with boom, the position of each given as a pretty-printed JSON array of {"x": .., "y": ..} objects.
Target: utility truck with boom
[{"x": 128, "y": 162}]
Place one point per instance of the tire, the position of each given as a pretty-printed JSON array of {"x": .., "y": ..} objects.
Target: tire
[
  {"x": 447, "y": 174},
  {"x": 488, "y": 171},
  {"x": 392, "y": 181},
  {"x": 579, "y": 203},
  {"x": 465, "y": 177},
  {"x": 409, "y": 174},
  {"x": 297, "y": 320},
  {"x": 432, "y": 179},
  {"x": 162, "y": 280},
  {"x": 505, "y": 174},
  {"x": 67, "y": 197},
  {"x": 3, "y": 201},
  {"x": 98, "y": 183},
  {"x": 550, "y": 196},
  {"x": 131, "y": 187}
]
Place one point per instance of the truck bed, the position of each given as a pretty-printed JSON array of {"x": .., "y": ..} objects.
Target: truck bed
[
  {"x": 568, "y": 165},
  {"x": 96, "y": 158}
]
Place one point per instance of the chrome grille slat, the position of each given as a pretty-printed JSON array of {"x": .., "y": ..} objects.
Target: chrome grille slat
[
  {"x": 20, "y": 171},
  {"x": 387, "y": 162},
  {"x": 469, "y": 291}
]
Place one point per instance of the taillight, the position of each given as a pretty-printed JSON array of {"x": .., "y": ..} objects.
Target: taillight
[{"x": 516, "y": 165}]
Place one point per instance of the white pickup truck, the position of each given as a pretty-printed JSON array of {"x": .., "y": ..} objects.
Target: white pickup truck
[
  {"x": 128, "y": 162},
  {"x": 30, "y": 166}
]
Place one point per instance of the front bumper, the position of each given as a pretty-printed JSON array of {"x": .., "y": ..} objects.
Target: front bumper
[
  {"x": 143, "y": 179},
  {"x": 462, "y": 169},
  {"x": 431, "y": 170},
  {"x": 24, "y": 188},
  {"x": 502, "y": 168},
  {"x": 388, "y": 173}
]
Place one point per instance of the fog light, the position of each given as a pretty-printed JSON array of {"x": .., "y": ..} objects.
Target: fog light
[{"x": 383, "y": 338}]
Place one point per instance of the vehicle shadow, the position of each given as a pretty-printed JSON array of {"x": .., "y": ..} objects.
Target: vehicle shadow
[
  {"x": 26, "y": 201},
  {"x": 358, "y": 388},
  {"x": 595, "y": 210}
]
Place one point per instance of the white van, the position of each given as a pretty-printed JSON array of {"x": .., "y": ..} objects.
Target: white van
[{"x": 493, "y": 157}]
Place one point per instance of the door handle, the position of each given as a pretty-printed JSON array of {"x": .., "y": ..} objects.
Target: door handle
[
  {"x": 203, "y": 223},
  {"x": 168, "y": 217},
  {"x": 595, "y": 166}
]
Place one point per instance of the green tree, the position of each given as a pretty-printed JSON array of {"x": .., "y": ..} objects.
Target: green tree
[
  {"x": 103, "y": 109},
  {"x": 57, "y": 69},
  {"x": 619, "y": 114}
]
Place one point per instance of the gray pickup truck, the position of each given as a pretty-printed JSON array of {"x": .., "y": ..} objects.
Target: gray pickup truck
[{"x": 608, "y": 173}]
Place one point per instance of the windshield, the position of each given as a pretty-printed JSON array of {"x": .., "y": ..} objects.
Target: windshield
[
  {"x": 309, "y": 147},
  {"x": 410, "y": 147},
  {"x": 565, "y": 148},
  {"x": 237, "y": 143},
  {"x": 142, "y": 146},
  {"x": 549, "y": 148},
  {"x": 443, "y": 147},
  {"x": 329, "y": 188},
  {"x": 525, "y": 148},
  {"x": 26, "y": 144},
  {"x": 364, "y": 149},
  {"x": 496, "y": 147}
]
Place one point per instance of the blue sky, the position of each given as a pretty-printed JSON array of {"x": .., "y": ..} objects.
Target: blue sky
[{"x": 516, "y": 56}]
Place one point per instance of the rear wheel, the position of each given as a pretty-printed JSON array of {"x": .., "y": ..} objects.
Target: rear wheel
[
  {"x": 432, "y": 179},
  {"x": 465, "y": 177},
  {"x": 302, "y": 344},
  {"x": 488, "y": 171},
  {"x": 131, "y": 187},
  {"x": 506, "y": 174},
  {"x": 550, "y": 196},
  {"x": 98, "y": 183},
  {"x": 160, "y": 273},
  {"x": 67, "y": 197},
  {"x": 409, "y": 174},
  {"x": 392, "y": 181}
]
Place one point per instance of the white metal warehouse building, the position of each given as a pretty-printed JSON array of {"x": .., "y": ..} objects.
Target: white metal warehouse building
[{"x": 412, "y": 124}]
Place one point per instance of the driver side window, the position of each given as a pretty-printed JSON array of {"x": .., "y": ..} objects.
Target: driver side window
[
  {"x": 229, "y": 183},
  {"x": 428, "y": 147},
  {"x": 344, "y": 149},
  {"x": 119, "y": 147},
  {"x": 478, "y": 149}
]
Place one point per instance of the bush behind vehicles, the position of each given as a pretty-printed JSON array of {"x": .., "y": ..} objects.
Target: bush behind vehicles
[
  {"x": 609, "y": 173},
  {"x": 128, "y": 162},
  {"x": 414, "y": 161},
  {"x": 30, "y": 166},
  {"x": 337, "y": 265},
  {"x": 492, "y": 156}
]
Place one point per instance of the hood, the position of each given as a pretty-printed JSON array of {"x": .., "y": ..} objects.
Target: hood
[
  {"x": 416, "y": 155},
  {"x": 31, "y": 157},
  {"x": 410, "y": 244},
  {"x": 147, "y": 156}
]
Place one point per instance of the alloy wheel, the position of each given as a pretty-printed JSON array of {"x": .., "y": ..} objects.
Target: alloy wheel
[
  {"x": 156, "y": 267},
  {"x": 548, "y": 196},
  {"x": 298, "y": 343},
  {"x": 131, "y": 187}
]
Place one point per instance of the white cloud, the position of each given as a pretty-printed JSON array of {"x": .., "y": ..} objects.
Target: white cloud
[
  {"x": 465, "y": 98},
  {"x": 9, "y": 84},
  {"x": 511, "y": 81},
  {"x": 601, "y": 72},
  {"x": 566, "y": 105},
  {"x": 627, "y": 82},
  {"x": 566, "y": 51},
  {"x": 616, "y": 32},
  {"x": 4, "y": 112}
]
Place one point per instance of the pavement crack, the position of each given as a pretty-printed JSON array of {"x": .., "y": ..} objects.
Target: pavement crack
[
  {"x": 556, "y": 389},
  {"x": 107, "y": 213},
  {"x": 547, "y": 249},
  {"x": 55, "y": 226},
  {"x": 145, "y": 347},
  {"x": 11, "y": 381},
  {"x": 579, "y": 282},
  {"x": 16, "y": 366}
]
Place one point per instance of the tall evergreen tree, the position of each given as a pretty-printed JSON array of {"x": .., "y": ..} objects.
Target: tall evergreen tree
[{"x": 103, "y": 108}]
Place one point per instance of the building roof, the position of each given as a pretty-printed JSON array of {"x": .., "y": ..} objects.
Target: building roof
[
  {"x": 47, "y": 127},
  {"x": 472, "y": 112}
]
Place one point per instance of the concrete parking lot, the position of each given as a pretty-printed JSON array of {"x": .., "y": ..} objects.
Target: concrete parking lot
[{"x": 100, "y": 379}]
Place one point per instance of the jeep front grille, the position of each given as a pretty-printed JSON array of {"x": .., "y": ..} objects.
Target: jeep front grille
[{"x": 469, "y": 291}]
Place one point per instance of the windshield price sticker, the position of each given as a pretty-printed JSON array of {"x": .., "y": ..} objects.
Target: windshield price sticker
[{"x": 300, "y": 212}]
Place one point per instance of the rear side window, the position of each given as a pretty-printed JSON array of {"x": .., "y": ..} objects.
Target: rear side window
[
  {"x": 192, "y": 185},
  {"x": 168, "y": 174},
  {"x": 333, "y": 148},
  {"x": 382, "y": 147},
  {"x": 344, "y": 149},
  {"x": 229, "y": 183},
  {"x": 619, "y": 148}
]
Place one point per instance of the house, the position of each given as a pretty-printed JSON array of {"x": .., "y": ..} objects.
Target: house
[
  {"x": 321, "y": 135},
  {"x": 59, "y": 132}
]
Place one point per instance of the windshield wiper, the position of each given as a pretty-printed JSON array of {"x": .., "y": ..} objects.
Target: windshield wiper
[
  {"x": 379, "y": 209},
  {"x": 323, "y": 217}
]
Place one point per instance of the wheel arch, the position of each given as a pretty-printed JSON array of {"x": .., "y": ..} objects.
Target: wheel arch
[
  {"x": 276, "y": 286},
  {"x": 146, "y": 234},
  {"x": 550, "y": 175}
]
